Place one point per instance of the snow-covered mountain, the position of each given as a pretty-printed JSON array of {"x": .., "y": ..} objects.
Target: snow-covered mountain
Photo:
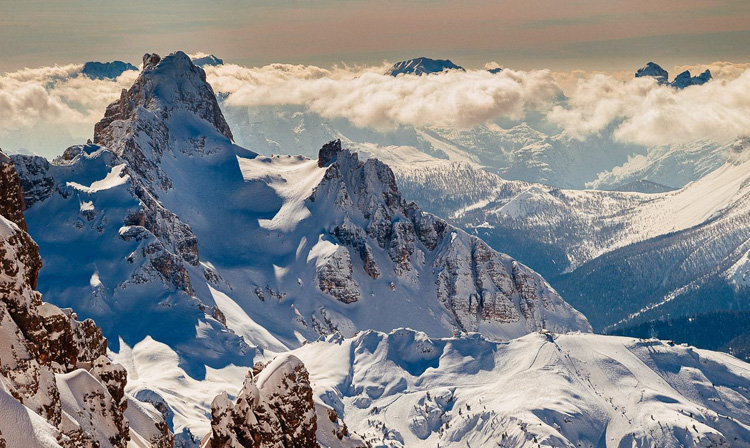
[
  {"x": 57, "y": 386},
  {"x": 684, "y": 79},
  {"x": 688, "y": 250},
  {"x": 180, "y": 243},
  {"x": 210, "y": 60},
  {"x": 407, "y": 389},
  {"x": 206, "y": 263},
  {"x": 653, "y": 70},
  {"x": 686, "y": 247},
  {"x": 422, "y": 66}
]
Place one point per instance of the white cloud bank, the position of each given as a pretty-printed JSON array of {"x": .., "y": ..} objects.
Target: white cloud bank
[
  {"x": 639, "y": 110},
  {"x": 35, "y": 103},
  {"x": 371, "y": 99},
  {"x": 649, "y": 114}
]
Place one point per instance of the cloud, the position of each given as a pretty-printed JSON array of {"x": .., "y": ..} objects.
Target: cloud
[
  {"x": 638, "y": 110},
  {"x": 635, "y": 110},
  {"x": 368, "y": 98},
  {"x": 646, "y": 113},
  {"x": 59, "y": 95},
  {"x": 719, "y": 70}
]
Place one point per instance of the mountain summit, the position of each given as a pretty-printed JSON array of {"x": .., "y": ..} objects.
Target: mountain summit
[
  {"x": 655, "y": 71},
  {"x": 106, "y": 70},
  {"x": 685, "y": 80},
  {"x": 422, "y": 66},
  {"x": 680, "y": 81}
]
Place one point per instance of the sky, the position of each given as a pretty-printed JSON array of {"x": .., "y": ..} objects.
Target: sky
[
  {"x": 329, "y": 57},
  {"x": 521, "y": 34}
]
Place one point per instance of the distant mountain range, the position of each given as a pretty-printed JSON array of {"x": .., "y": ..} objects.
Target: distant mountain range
[
  {"x": 680, "y": 81},
  {"x": 106, "y": 70}
]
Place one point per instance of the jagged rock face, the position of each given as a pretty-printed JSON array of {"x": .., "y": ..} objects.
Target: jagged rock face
[
  {"x": 328, "y": 153},
  {"x": 11, "y": 201},
  {"x": 334, "y": 276},
  {"x": 43, "y": 347},
  {"x": 274, "y": 409},
  {"x": 36, "y": 183},
  {"x": 475, "y": 283}
]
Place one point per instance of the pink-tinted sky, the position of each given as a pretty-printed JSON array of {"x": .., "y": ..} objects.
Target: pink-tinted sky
[{"x": 557, "y": 34}]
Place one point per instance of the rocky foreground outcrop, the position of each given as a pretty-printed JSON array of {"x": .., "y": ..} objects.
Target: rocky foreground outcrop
[
  {"x": 51, "y": 363},
  {"x": 274, "y": 408}
]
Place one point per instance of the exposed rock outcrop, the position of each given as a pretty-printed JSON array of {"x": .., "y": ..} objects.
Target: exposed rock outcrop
[
  {"x": 274, "y": 409},
  {"x": 680, "y": 81}
]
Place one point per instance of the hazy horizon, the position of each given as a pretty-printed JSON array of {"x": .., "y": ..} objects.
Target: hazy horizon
[{"x": 587, "y": 35}]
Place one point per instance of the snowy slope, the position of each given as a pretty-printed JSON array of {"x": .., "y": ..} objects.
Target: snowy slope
[{"x": 406, "y": 389}]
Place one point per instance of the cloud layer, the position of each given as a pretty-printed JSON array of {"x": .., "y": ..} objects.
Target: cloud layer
[
  {"x": 38, "y": 101},
  {"x": 639, "y": 110},
  {"x": 370, "y": 99},
  {"x": 648, "y": 114}
]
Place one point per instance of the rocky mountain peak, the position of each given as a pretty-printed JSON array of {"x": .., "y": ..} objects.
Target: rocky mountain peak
[
  {"x": 11, "y": 201},
  {"x": 680, "y": 81},
  {"x": 388, "y": 237},
  {"x": 273, "y": 409},
  {"x": 328, "y": 153},
  {"x": 655, "y": 71},
  {"x": 167, "y": 87},
  {"x": 422, "y": 66},
  {"x": 684, "y": 79},
  {"x": 150, "y": 60},
  {"x": 207, "y": 60}
]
